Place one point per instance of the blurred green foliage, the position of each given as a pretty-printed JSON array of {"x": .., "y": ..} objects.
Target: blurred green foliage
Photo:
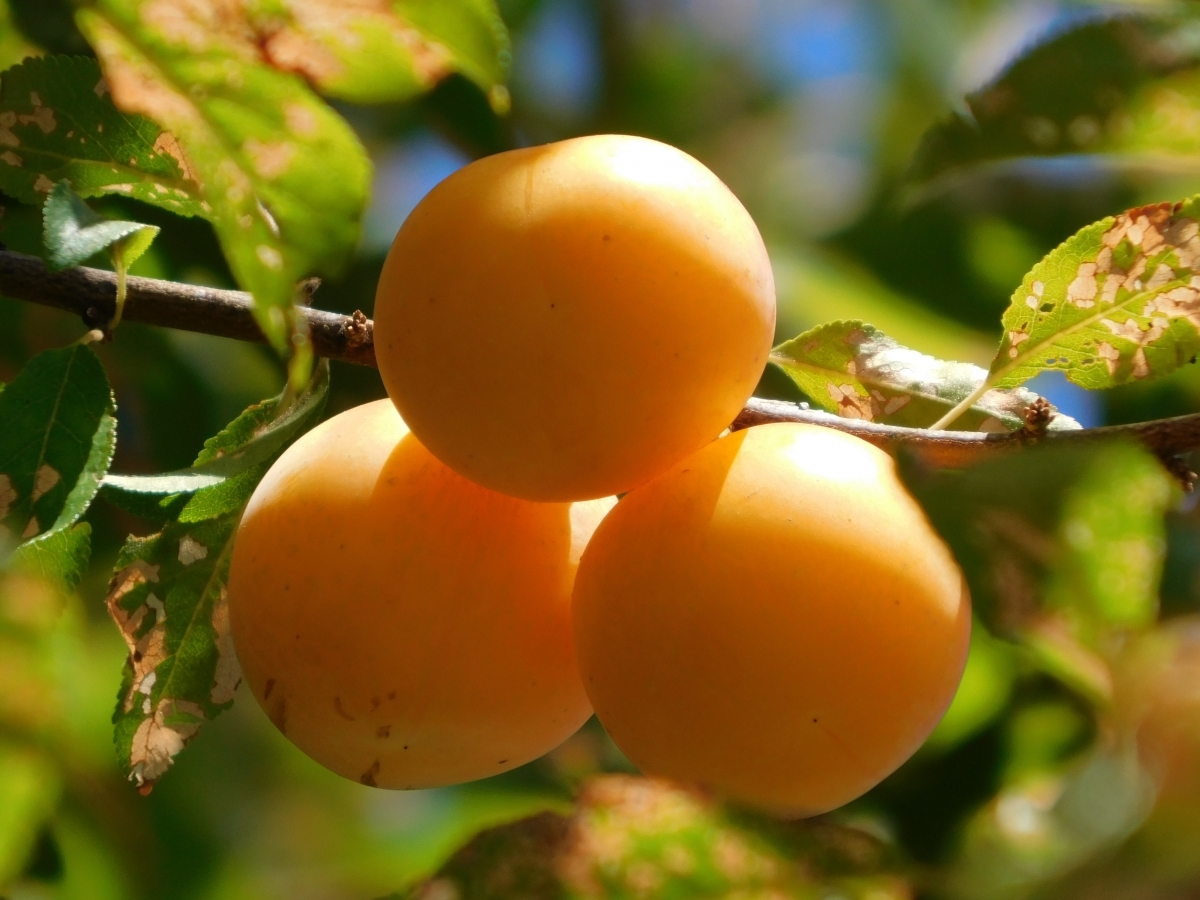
[{"x": 1068, "y": 765}]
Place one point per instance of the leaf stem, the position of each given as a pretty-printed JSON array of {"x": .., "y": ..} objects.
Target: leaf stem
[
  {"x": 118, "y": 258},
  {"x": 962, "y": 406}
]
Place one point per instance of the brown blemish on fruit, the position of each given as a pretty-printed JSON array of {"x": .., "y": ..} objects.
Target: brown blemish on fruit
[
  {"x": 341, "y": 711},
  {"x": 368, "y": 777}
]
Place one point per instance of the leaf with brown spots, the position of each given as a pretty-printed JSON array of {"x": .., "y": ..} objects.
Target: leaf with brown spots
[
  {"x": 854, "y": 370},
  {"x": 57, "y": 436},
  {"x": 167, "y": 593},
  {"x": 283, "y": 177},
  {"x": 379, "y": 51},
  {"x": 167, "y": 606},
  {"x": 58, "y": 123},
  {"x": 1117, "y": 302}
]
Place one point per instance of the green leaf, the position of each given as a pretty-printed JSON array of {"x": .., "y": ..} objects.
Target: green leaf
[
  {"x": 473, "y": 33},
  {"x": 1124, "y": 86},
  {"x": 74, "y": 232},
  {"x": 384, "y": 52},
  {"x": 58, "y": 123},
  {"x": 284, "y": 176},
  {"x": 57, "y": 440},
  {"x": 854, "y": 370},
  {"x": 1115, "y": 303},
  {"x": 1062, "y": 547},
  {"x": 251, "y": 439},
  {"x": 58, "y": 557},
  {"x": 167, "y": 594}
]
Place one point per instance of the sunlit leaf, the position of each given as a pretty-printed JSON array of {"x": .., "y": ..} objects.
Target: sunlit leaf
[
  {"x": 74, "y": 232},
  {"x": 854, "y": 370},
  {"x": 1062, "y": 548},
  {"x": 1117, "y": 302},
  {"x": 284, "y": 177},
  {"x": 57, "y": 441},
  {"x": 58, "y": 122},
  {"x": 381, "y": 52},
  {"x": 167, "y": 595},
  {"x": 58, "y": 557},
  {"x": 251, "y": 439},
  {"x": 1123, "y": 85}
]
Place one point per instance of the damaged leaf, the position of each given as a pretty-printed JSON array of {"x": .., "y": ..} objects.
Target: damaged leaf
[
  {"x": 58, "y": 122},
  {"x": 167, "y": 598},
  {"x": 1066, "y": 568},
  {"x": 854, "y": 370},
  {"x": 1117, "y": 302},
  {"x": 382, "y": 52},
  {"x": 284, "y": 177},
  {"x": 167, "y": 594},
  {"x": 57, "y": 442},
  {"x": 74, "y": 232}
]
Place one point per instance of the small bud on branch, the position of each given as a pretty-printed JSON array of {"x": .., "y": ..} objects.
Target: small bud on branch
[{"x": 91, "y": 294}]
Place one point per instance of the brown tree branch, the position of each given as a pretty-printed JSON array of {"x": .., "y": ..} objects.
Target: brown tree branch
[{"x": 91, "y": 294}]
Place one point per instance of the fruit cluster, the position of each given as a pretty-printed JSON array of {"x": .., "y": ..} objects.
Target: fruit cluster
[{"x": 766, "y": 613}]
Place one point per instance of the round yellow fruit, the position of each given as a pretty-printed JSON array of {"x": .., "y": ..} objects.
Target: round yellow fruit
[
  {"x": 401, "y": 625},
  {"x": 774, "y": 618},
  {"x": 565, "y": 322}
]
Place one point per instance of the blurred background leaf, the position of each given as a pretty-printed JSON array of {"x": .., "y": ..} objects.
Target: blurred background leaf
[
  {"x": 1122, "y": 84},
  {"x": 812, "y": 113}
]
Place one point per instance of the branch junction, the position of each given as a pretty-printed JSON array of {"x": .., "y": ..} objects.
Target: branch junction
[{"x": 91, "y": 294}]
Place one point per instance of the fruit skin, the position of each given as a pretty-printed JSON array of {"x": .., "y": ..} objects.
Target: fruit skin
[
  {"x": 401, "y": 625},
  {"x": 566, "y": 321},
  {"x": 774, "y": 618}
]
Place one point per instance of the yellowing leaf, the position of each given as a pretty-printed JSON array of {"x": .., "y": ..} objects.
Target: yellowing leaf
[{"x": 282, "y": 177}]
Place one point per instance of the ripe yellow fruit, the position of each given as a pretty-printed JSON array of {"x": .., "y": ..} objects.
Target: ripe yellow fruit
[
  {"x": 402, "y": 626},
  {"x": 774, "y": 618},
  {"x": 567, "y": 321}
]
